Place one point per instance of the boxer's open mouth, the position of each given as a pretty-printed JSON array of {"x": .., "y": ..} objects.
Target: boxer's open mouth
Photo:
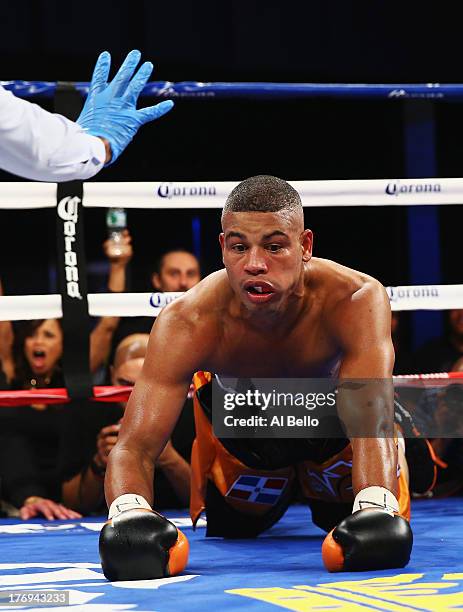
[{"x": 259, "y": 291}]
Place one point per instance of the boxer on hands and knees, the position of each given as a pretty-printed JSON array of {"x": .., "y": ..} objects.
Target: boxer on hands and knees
[{"x": 274, "y": 311}]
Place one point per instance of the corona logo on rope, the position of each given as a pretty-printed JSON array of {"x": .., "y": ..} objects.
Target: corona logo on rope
[
  {"x": 398, "y": 593},
  {"x": 68, "y": 211},
  {"x": 397, "y": 188},
  {"x": 160, "y": 300},
  {"x": 426, "y": 291},
  {"x": 172, "y": 190}
]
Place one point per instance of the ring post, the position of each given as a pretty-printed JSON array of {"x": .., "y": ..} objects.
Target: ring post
[{"x": 423, "y": 221}]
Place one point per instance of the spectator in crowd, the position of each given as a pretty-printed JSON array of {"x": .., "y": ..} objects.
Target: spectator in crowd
[
  {"x": 119, "y": 255},
  {"x": 176, "y": 270},
  {"x": 3, "y": 383},
  {"x": 92, "y": 433},
  {"x": 437, "y": 414},
  {"x": 32, "y": 372},
  {"x": 6, "y": 345},
  {"x": 31, "y": 435},
  {"x": 450, "y": 449},
  {"x": 439, "y": 354}
]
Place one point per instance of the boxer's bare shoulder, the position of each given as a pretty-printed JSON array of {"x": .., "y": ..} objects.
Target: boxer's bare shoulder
[
  {"x": 198, "y": 314},
  {"x": 341, "y": 287},
  {"x": 206, "y": 300}
]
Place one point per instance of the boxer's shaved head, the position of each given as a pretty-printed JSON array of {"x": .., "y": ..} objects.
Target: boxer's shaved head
[
  {"x": 263, "y": 238},
  {"x": 263, "y": 193}
]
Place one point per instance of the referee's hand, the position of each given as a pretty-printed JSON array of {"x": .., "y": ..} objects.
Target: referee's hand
[{"x": 110, "y": 110}]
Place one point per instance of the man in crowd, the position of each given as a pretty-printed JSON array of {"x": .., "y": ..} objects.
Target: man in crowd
[
  {"x": 32, "y": 435},
  {"x": 175, "y": 271},
  {"x": 92, "y": 432}
]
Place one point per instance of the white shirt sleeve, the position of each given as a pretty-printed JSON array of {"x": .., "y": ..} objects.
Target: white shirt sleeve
[{"x": 44, "y": 146}]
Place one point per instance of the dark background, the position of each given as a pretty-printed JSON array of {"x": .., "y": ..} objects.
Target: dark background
[{"x": 326, "y": 42}]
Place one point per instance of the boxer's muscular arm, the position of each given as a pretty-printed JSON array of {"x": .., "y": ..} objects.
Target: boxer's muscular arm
[
  {"x": 375, "y": 536},
  {"x": 176, "y": 350},
  {"x": 363, "y": 328}
]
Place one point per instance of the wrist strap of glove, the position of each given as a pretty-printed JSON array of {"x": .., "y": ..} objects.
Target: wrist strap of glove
[
  {"x": 378, "y": 498},
  {"x": 128, "y": 501}
]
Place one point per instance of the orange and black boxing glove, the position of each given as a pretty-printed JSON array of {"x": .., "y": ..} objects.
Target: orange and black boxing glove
[
  {"x": 373, "y": 537},
  {"x": 137, "y": 543}
]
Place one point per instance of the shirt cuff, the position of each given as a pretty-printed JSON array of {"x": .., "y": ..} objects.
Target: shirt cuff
[{"x": 96, "y": 158}]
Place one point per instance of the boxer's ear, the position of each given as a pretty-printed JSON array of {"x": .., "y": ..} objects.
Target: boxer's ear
[
  {"x": 307, "y": 244},
  {"x": 222, "y": 242}
]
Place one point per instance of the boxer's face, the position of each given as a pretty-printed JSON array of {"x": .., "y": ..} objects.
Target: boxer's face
[{"x": 264, "y": 254}]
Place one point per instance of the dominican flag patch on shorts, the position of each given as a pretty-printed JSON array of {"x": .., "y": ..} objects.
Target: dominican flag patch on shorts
[{"x": 257, "y": 489}]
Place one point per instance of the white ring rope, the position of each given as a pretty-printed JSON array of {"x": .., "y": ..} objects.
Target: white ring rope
[
  {"x": 28, "y": 307},
  {"x": 193, "y": 195},
  {"x": 425, "y": 297}
]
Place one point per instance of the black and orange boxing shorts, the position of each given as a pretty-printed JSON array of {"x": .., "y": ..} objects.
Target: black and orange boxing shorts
[{"x": 257, "y": 479}]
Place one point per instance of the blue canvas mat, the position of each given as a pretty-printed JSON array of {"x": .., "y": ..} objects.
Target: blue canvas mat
[{"x": 280, "y": 570}]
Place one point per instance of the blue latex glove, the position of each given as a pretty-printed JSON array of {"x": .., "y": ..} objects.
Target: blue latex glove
[{"x": 110, "y": 110}]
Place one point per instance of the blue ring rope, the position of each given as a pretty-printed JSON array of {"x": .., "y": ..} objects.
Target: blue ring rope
[{"x": 193, "y": 89}]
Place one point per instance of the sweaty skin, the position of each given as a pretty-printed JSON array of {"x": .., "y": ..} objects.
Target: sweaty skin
[{"x": 319, "y": 319}]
